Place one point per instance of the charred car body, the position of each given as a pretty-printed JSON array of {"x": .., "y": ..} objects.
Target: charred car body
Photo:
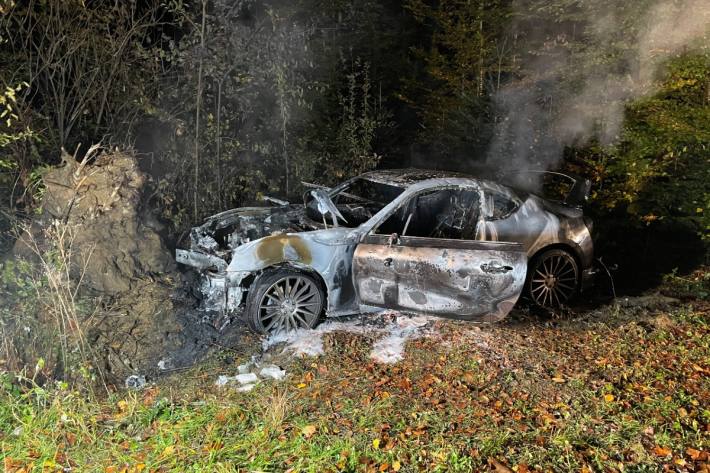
[{"x": 421, "y": 241}]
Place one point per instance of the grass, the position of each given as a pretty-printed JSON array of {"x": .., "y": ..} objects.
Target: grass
[{"x": 605, "y": 393}]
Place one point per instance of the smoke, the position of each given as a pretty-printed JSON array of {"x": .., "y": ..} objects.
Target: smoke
[{"x": 576, "y": 81}]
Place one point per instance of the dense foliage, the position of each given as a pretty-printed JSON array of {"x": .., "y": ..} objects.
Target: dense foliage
[{"x": 229, "y": 100}]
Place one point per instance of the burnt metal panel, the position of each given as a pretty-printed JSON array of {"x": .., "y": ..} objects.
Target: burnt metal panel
[
  {"x": 469, "y": 280},
  {"x": 200, "y": 261}
]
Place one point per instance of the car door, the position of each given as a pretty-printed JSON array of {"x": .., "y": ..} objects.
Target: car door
[{"x": 459, "y": 278}]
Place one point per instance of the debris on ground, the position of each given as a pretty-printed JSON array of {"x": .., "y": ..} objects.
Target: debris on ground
[
  {"x": 247, "y": 377},
  {"x": 135, "y": 382},
  {"x": 273, "y": 372},
  {"x": 165, "y": 364},
  {"x": 651, "y": 301}
]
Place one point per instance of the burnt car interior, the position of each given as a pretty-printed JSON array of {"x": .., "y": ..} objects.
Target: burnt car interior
[
  {"x": 500, "y": 206},
  {"x": 444, "y": 213},
  {"x": 358, "y": 201}
]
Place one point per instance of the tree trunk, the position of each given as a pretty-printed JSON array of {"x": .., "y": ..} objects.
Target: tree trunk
[{"x": 198, "y": 106}]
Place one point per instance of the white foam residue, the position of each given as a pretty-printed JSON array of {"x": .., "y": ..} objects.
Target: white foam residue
[
  {"x": 388, "y": 349},
  {"x": 273, "y": 372},
  {"x": 310, "y": 342},
  {"x": 246, "y": 378},
  {"x": 223, "y": 380},
  {"x": 300, "y": 342},
  {"x": 246, "y": 388}
]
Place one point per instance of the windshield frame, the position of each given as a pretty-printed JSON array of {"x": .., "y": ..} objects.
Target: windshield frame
[{"x": 341, "y": 189}]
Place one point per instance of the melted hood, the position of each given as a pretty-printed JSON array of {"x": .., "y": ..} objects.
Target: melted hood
[{"x": 223, "y": 232}]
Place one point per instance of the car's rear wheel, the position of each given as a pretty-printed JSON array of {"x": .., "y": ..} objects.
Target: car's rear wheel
[
  {"x": 553, "y": 278},
  {"x": 284, "y": 300}
]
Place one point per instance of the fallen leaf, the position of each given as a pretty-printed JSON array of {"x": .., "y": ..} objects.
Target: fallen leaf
[
  {"x": 11, "y": 464},
  {"x": 697, "y": 455},
  {"x": 308, "y": 430},
  {"x": 169, "y": 450},
  {"x": 661, "y": 451},
  {"x": 693, "y": 454},
  {"x": 498, "y": 467},
  {"x": 71, "y": 438}
]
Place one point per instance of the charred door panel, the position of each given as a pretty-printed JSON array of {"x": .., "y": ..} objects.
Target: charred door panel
[{"x": 471, "y": 280}]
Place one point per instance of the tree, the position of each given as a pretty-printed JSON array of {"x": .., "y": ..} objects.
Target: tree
[
  {"x": 660, "y": 170},
  {"x": 88, "y": 71},
  {"x": 467, "y": 58}
]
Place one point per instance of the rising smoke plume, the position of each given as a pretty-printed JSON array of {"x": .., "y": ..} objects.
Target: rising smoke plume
[{"x": 576, "y": 83}]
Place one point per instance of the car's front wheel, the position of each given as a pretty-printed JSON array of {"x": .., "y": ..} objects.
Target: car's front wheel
[
  {"x": 553, "y": 278},
  {"x": 284, "y": 300}
]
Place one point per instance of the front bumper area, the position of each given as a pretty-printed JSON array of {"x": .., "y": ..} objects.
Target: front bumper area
[
  {"x": 200, "y": 261},
  {"x": 221, "y": 289}
]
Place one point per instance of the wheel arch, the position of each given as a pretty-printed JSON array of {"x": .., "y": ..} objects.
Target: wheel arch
[
  {"x": 253, "y": 294},
  {"x": 570, "y": 248},
  {"x": 311, "y": 271}
]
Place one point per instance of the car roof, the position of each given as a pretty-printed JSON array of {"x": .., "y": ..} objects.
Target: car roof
[{"x": 408, "y": 176}]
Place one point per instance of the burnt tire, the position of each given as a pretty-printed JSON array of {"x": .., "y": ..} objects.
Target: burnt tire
[
  {"x": 553, "y": 278},
  {"x": 283, "y": 300}
]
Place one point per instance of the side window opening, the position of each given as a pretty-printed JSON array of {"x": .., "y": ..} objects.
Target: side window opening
[
  {"x": 445, "y": 213},
  {"x": 500, "y": 205}
]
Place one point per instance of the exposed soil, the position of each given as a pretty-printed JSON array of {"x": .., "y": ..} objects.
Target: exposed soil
[
  {"x": 145, "y": 322},
  {"x": 101, "y": 202}
]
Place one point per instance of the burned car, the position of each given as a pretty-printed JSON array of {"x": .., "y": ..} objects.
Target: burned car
[{"x": 421, "y": 241}]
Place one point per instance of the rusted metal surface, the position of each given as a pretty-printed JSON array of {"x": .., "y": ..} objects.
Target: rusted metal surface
[{"x": 459, "y": 278}]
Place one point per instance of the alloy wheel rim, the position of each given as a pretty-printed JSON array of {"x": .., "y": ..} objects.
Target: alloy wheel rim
[
  {"x": 290, "y": 303},
  {"x": 554, "y": 281}
]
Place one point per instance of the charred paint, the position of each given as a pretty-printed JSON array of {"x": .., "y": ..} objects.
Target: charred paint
[
  {"x": 467, "y": 280},
  {"x": 418, "y": 297},
  {"x": 277, "y": 249}
]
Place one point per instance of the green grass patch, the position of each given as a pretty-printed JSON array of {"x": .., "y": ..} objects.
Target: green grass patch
[{"x": 577, "y": 396}]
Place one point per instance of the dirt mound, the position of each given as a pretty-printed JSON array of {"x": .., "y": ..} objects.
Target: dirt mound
[
  {"x": 101, "y": 202},
  {"x": 93, "y": 215}
]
